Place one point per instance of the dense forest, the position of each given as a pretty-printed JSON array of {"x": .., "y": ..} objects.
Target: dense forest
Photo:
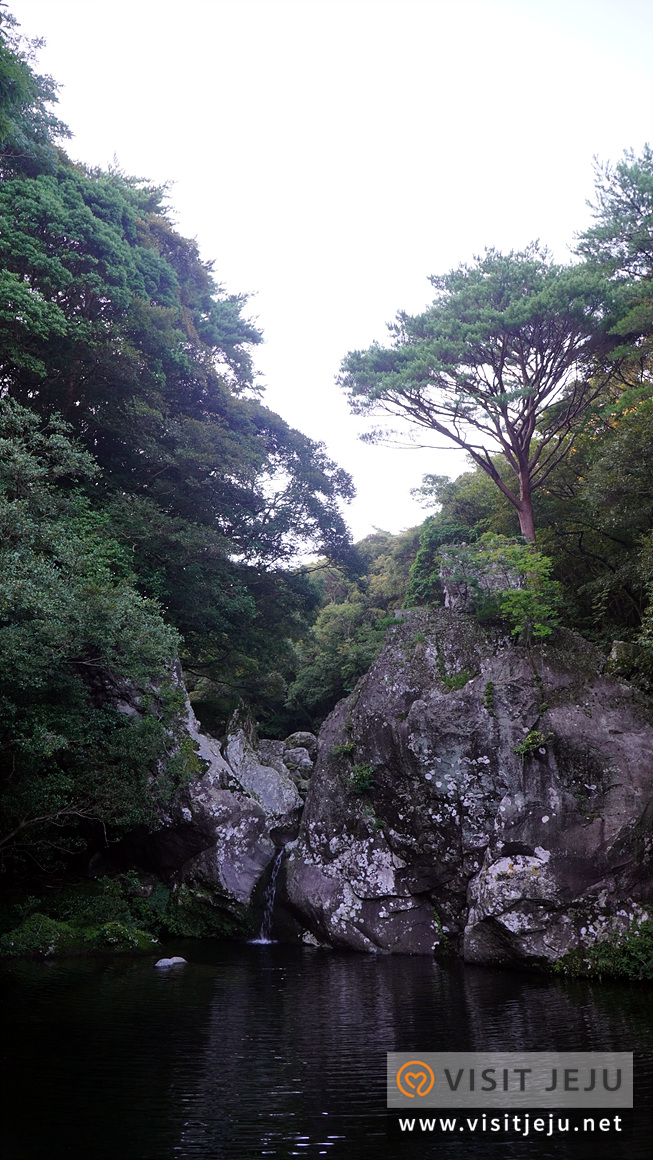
[{"x": 152, "y": 507}]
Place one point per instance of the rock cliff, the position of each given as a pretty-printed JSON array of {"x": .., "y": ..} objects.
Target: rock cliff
[
  {"x": 216, "y": 844},
  {"x": 480, "y": 795},
  {"x": 242, "y": 810},
  {"x": 470, "y": 795}
]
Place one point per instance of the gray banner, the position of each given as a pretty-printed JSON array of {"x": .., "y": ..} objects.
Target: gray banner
[{"x": 510, "y": 1079}]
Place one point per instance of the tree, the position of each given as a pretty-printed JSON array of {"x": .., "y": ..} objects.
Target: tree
[
  {"x": 509, "y": 357},
  {"x": 110, "y": 317}
]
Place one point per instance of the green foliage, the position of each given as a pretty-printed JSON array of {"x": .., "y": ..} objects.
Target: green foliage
[
  {"x": 116, "y": 294},
  {"x": 531, "y": 609},
  {"x": 644, "y": 641},
  {"x": 443, "y": 948},
  {"x": 469, "y": 506},
  {"x": 351, "y": 626},
  {"x": 149, "y": 502},
  {"x": 28, "y": 128},
  {"x": 621, "y": 238},
  {"x": 111, "y": 318},
  {"x": 456, "y": 681},
  {"x": 346, "y": 639},
  {"x": 532, "y": 741},
  {"x": 595, "y": 515},
  {"x": 429, "y": 493},
  {"x": 488, "y": 698},
  {"x": 611, "y": 492},
  {"x": 507, "y": 580},
  {"x": 76, "y": 638},
  {"x": 424, "y": 586},
  {"x": 361, "y": 778},
  {"x": 344, "y": 750},
  {"x": 43, "y": 937},
  {"x": 105, "y": 900},
  {"x": 628, "y": 956}
]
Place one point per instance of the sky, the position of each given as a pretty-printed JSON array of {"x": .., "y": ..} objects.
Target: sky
[{"x": 330, "y": 155}]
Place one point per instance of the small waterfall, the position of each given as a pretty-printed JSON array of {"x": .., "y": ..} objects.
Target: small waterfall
[{"x": 268, "y": 902}]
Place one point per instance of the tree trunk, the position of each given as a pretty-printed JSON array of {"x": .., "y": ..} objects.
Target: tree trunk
[
  {"x": 526, "y": 524},
  {"x": 525, "y": 509}
]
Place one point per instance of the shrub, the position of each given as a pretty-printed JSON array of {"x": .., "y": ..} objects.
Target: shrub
[
  {"x": 507, "y": 580},
  {"x": 346, "y": 749},
  {"x": 42, "y": 937},
  {"x": 532, "y": 741},
  {"x": 531, "y": 609},
  {"x": 488, "y": 698},
  {"x": 456, "y": 681},
  {"x": 628, "y": 955},
  {"x": 361, "y": 777}
]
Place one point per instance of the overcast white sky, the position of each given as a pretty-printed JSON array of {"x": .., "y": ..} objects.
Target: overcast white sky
[{"x": 331, "y": 154}]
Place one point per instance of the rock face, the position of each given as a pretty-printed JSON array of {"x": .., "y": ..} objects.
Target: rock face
[
  {"x": 246, "y": 807},
  {"x": 217, "y": 842},
  {"x": 473, "y": 790}
]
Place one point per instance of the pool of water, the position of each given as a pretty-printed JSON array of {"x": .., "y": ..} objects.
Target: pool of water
[{"x": 279, "y": 1051}]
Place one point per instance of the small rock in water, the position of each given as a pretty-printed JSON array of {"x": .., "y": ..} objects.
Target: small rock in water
[{"x": 175, "y": 961}]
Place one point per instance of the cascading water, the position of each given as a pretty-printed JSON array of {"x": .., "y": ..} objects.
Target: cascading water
[{"x": 268, "y": 902}]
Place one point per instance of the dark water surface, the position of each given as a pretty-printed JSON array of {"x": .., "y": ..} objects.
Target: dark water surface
[{"x": 278, "y": 1051}]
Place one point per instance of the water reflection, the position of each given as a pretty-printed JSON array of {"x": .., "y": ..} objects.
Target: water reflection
[{"x": 279, "y": 1051}]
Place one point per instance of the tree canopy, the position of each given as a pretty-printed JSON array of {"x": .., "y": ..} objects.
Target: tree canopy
[{"x": 111, "y": 318}]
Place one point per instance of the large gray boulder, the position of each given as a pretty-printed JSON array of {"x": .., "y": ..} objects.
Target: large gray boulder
[
  {"x": 267, "y": 784},
  {"x": 238, "y": 847},
  {"x": 302, "y": 740},
  {"x": 294, "y": 758},
  {"x": 473, "y": 790}
]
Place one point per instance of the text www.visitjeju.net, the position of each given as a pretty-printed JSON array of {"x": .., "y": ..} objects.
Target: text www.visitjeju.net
[{"x": 520, "y": 1125}]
